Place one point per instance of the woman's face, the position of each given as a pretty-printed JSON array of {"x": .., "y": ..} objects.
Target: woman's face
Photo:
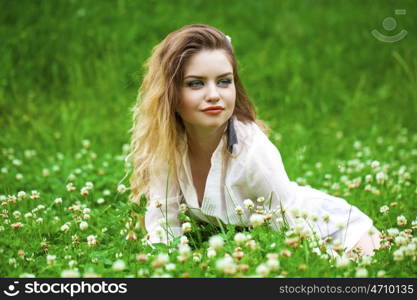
[{"x": 208, "y": 83}]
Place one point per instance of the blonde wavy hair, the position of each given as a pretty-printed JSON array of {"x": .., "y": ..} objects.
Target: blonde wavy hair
[{"x": 158, "y": 131}]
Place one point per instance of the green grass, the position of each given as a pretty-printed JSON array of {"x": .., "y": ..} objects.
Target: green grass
[{"x": 70, "y": 71}]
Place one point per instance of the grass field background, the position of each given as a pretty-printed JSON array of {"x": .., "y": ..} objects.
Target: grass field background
[{"x": 336, "y": 99}]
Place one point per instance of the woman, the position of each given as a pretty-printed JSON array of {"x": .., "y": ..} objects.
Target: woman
[{"x": 196, "y": 140}]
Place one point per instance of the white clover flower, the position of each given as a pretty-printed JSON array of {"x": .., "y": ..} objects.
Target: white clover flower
[
  {"x": 50, "y": 259},
  {"x": 239, "y": 210},
  {"x": 121, "y": 188},
  {"x": 393, "y": 232},
  {"x": 70, "y": 187},
  {"x": 401, "y": 240},
  {"x": 58, "y": 201},
  {"x": 256, "y": 220},
  {"x": 21, "y": 195},
  {"x": 260, "y": 209},
  {"x": 89, "y": 185},
  {"x": 70, "y": 273},
  {"x": 240, "y": 238},
  {"x": 183, "y": 240},
  {"x": 381, "y": 177},
  {"x": 19, "y": 176},
  {"x": 100, "y": 200},
  {"x": 34, "y": 195},
  {"x": 39, "y": 220},
  {"x": 368, "y": 178},
  {"x": 17, "y": 214},
  {"x": 401, "y": 221},
  {"x": 86, "y": 143},
  {"x": 272, "y": 264},
  {"x": 384, "y": 209},
  {"x": 184, "y": 250},
  {"x": 410, "y": 250},
  {"x": 118, "y": 265},
  {"x": 211, "y": 252},
  {"x": 84, "y": 191},
  {"x": 252, "y": 245},
  {"x": 398, "y": 255},
  {"x": 262, "y": 270},
  {"x": 170, "y": 267},
  {"x": 260, "y": 199},
  {"x": 65, "y": 227},
  {"x": 17, "y": 162},
  {"x": 216, "y": 242},
  {"x": 381, "y": 274},
  {"x": 375, "y": 164},
  {"x": 45, "y": 172},
  {"x": 196, "y": 257},
  {"x": 226, "y": 265},
  {"x": 361, "y": 273},
  {"x": 162, "y": 259},
  {"x": 342, "y": 261},
  {"x": 91, "y": 240},
  {"x": 83, "y": 225},
  {"x": 186, "y": 227},
  {"x": 28, "y": 215},
  {"x": 249, "y": 204}
]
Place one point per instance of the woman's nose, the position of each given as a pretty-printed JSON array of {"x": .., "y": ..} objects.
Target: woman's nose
[{"x": 212, "y": 93}]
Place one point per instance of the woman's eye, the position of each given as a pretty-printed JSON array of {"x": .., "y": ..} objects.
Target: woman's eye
[
  {"x": 196, "y": 83},
  {"x": 226, "y": 81},
  {"x": 193, "y": 83}
]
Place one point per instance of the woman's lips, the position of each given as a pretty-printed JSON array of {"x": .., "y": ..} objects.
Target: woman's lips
[{"x": 213, "y": 111}]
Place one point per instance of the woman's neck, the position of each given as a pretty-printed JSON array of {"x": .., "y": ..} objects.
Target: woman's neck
[{"x": 202, "y": 143}]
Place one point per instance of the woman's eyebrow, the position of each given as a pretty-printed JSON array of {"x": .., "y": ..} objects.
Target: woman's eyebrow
[{"x": 195, "y": 76}]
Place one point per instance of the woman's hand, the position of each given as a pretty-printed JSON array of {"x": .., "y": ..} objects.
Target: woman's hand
[{"x": 367, "y": 244}]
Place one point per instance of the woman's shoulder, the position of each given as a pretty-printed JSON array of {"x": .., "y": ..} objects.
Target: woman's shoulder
[{"x": 251, "y": 139}]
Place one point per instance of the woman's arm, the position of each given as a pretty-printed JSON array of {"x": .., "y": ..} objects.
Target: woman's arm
[{"x": 329, "y": 216}]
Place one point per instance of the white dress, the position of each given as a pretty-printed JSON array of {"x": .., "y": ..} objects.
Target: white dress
[{"x": 255, "y": 171}]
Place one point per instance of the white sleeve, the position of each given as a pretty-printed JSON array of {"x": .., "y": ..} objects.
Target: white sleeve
[
  {"x": 265, "y": 174},
  {"x": 163, "y": 207}
]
